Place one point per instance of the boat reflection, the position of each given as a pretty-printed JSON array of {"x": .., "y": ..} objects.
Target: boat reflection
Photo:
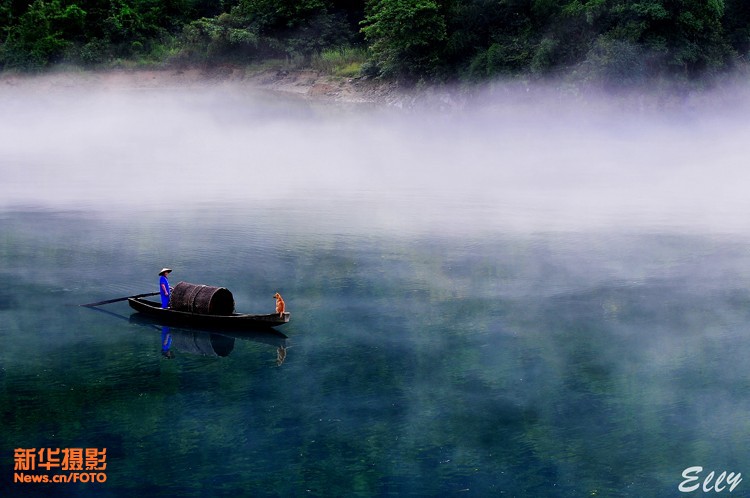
[
  {"x": 213, "y": 342},
  {"x": 217, "y": 343},
  {"x": 193, "y": 342}
]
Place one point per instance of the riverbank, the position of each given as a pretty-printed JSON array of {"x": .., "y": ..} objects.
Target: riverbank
[
  {"x": 731, "y": 92},
  {"x": 305, "y": 83}
]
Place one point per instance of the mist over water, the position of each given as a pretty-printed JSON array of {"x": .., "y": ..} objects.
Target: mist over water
[
  {"x": 514, "y": 157},
  {"x": 527, "y": 291}
]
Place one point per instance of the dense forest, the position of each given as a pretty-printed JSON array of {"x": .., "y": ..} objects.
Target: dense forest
[{"x": 618, "y": 42}]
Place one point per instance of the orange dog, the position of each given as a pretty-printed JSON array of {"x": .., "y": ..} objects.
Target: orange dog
[{"x": 280, "y": 306}]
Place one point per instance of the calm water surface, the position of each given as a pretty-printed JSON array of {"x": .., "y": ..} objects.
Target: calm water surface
[{"x": 444, "y": 340}]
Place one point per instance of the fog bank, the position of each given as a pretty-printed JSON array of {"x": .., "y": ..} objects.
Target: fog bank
[{"x": 511, "y": 156}]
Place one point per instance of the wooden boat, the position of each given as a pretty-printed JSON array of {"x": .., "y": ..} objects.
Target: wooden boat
[{"x": 233, "y": 321}]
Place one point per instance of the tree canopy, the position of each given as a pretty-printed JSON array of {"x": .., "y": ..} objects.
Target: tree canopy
[{"x": 615, "y": 41}]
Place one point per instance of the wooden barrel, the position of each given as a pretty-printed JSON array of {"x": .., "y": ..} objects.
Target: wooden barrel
[{"x": 203, "y": 299}]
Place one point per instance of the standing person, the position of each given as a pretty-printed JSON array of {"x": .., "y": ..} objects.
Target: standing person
[{"x": 164, "y": 289}]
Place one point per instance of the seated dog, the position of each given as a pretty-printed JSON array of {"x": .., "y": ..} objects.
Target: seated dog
[{"x": 280, "y": 307}]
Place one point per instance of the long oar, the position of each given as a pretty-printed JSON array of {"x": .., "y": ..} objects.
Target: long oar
[{"x": 91, "y": 305}]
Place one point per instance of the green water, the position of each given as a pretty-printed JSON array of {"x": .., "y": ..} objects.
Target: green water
[
  {"x": 549, "y": 364},
  {"x": 519, "y": 299}
]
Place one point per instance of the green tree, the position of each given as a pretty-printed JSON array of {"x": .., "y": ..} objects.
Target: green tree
[
  {"x": 42, "y": 34},
  {"x": 617, "y": 41},
  {"x": 219, "y": 39},
  {"x": 629, "y": 40},
  {"x": 736, "y": 23},
  {"x": 293, "y": 28},
  {"x": 6, "y": 21},
  {"x": 406, "y": 37},
  {"x": 679, "y": 37},
  {"x": 265, "y": 28},
  {"x": 125, "y": 29},
  {"x": 489, "y": 37},
  {"x": 6, "y": 14}
]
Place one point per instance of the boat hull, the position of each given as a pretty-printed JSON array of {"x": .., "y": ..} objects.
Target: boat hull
[{"x": 235, "y": 321}]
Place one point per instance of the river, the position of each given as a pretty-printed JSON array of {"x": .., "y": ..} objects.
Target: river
[{"x": 527, "y": 296}]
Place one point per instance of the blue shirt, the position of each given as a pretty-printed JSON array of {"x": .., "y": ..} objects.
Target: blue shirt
[{"x": 164, "y": 284}]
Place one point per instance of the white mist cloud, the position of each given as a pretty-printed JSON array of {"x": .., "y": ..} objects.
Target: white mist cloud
[{"x": 525, "y": 158}]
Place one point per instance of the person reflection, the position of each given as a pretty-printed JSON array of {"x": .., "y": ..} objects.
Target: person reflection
[{"x": 166, "y": 343}]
